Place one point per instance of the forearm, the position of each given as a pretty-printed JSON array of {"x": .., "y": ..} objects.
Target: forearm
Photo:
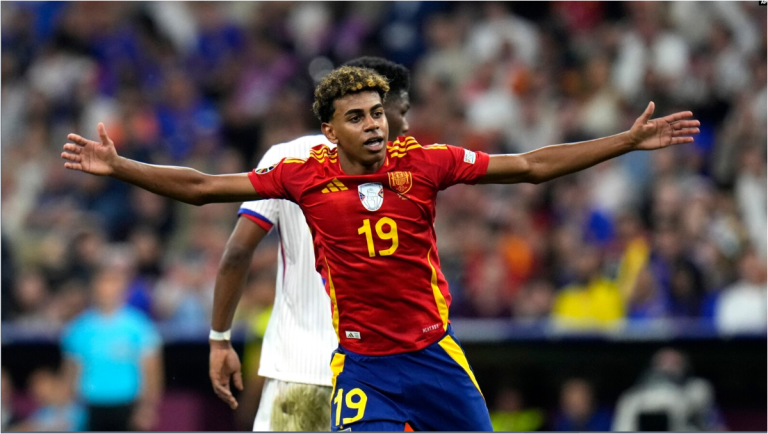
[
  {"x": 554, "y": 161},
  {"x": 230, "y": 280},
  {"x": 233, "y": 270},
  {"x": 184, "y": 184},
  {"x": 152, "y": 389}
]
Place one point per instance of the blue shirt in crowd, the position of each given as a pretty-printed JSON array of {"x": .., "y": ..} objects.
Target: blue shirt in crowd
[
  {"x": 70, "y": 417},
  {"x": 109, "y": 349}
]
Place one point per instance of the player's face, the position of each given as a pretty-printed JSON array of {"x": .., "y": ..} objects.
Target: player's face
[
  {"x": 360, "y": 129},
  {"x": 396, "y": 107},
  {"x": 109, "y": 289}
]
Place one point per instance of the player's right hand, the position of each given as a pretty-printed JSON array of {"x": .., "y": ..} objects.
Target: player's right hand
[
  {"x": 224, "y": 364},
  {"x": 85, "y": 155}
]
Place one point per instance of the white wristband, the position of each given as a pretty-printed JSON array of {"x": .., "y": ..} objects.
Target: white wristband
[{"x": 220, "y": 336}]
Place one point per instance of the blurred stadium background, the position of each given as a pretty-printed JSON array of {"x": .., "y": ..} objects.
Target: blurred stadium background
[{"x": 563, "y": 292}]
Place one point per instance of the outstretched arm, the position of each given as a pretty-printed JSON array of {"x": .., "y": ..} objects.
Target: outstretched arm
[
  {"x": 553, "y": 161},
  {"x": 223, "y": 360},
  {"x": 180, "y": 183}
]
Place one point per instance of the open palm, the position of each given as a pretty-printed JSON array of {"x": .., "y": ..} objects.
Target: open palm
[
  {"x": 675, "y": 129},
  {"x": 88, "y": 156}
]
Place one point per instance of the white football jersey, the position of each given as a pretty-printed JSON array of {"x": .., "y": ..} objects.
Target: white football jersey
[{"x": 299, "y": 339}]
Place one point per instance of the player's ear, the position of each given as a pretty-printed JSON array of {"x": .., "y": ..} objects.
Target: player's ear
[{"x": 330, "y": 134}]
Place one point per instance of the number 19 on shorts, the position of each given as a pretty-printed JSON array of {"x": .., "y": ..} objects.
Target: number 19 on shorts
[{"x": 355, "y": 399}]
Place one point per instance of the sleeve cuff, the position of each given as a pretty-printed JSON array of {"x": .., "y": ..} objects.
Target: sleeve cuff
[
  {"x": 252, "y": 178},
  {"x": 257, "y": 218},
  {"x": 483, "y": 160}
]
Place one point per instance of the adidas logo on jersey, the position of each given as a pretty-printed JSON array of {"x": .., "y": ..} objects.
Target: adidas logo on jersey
[
  {"x": 353, "y": 335},
  {"x": 334, "y": 185}
]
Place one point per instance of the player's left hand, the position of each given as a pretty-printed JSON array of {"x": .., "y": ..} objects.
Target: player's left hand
[
  {"x": 98, "y": 158},
  {"x": 223, "y": 364},
  {"x": 675, "y": 129}
]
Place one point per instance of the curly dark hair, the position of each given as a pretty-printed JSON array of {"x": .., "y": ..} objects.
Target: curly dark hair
[
  {"x": 398, "y": 75},
  {"x": 343, "y": 81}
]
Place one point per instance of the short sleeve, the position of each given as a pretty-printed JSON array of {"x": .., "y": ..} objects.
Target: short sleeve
[
  {"x": 457, "y": 165},
  {"x": 149, "y": 337},
  {"x": 70, "y": 341},
  {"x": 263, "y": 212},
  {"x": 268, "y": 181}
]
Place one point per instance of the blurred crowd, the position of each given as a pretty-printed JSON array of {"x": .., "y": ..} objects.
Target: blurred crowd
[
  {"x": 676, "y": 236},
  {"x": 673, "y": 234},
  {"x": 667, "y": 396}
]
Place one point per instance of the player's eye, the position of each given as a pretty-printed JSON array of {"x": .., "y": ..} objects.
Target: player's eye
[
  {"x": 354, "y": 119},
  {"x": 378, "y": 114}
]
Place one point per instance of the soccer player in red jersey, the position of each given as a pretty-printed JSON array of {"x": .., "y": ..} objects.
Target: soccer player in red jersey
[{"x": 371, "y": 207}]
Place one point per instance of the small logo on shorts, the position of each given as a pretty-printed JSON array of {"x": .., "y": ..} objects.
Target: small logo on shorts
[{"x": 353, "y": 335}]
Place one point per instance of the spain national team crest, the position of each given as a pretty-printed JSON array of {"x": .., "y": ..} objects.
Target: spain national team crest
[
  {"x": 371, "y": 195},
  {"x": 401, "y": 182}
]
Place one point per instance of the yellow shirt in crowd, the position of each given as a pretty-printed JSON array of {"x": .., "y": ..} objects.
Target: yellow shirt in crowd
[{"x": 599, "y": 304}]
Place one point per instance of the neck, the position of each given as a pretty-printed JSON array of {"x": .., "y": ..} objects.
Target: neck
[
  {"x": 352, "y": 167},
  {"x": 108, "y": 310}
]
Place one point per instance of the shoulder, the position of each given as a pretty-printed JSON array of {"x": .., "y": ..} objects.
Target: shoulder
[
  {"x": 300, "y": 147},
  {"x": 740, "y": 292},
  {"x": 132, "y": 315},
  {"x": 323, "y": 153},
  {"x": 409, "y": 146},
  {"x": 606, "y": 285},
  {"x": 569, "y": 293},
  {"x": 295, "y": 149},
  {"x": 80, "y": 321},
  {"x": 84, "y": 323}
]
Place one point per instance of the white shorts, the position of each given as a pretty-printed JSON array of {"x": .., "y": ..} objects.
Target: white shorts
[{"x": 313, "y": 412}]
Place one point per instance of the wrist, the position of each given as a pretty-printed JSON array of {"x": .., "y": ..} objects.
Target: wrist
[
  {"x": 118, "y": 166},
  {"x": 220, "y": 338},
  {"x": 630, "y": 141}
]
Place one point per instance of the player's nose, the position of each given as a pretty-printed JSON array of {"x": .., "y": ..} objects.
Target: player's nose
[{"x": 371, "y": 124}]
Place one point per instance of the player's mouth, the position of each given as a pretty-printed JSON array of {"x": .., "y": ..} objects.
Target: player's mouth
[{"x": 374, "y": 144}]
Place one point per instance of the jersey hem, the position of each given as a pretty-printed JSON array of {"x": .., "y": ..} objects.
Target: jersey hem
[
  {"x": 288, "y": 378},
  {"x": 384, "y": 353}
]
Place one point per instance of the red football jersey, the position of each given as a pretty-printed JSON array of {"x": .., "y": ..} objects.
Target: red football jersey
[{"x": 374, "y": 237}]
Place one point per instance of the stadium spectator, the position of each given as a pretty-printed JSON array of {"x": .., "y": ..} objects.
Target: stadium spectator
[
  {"x": 56, "y": 408},
  {"x": 741, "y": 307},
  {"x": 668, "y": 398},
  {"x": 594, "y": 301},
  {"x": 579, "y": 410},
  {"x": 534, "y": 301},
  {"x": 645, "y": 301},
  {"x": 510, "y": 412},
  {"x": 112, "y": 358},
  {"x": 536, "y": 87},
  {"x": 750, "y": 194}
]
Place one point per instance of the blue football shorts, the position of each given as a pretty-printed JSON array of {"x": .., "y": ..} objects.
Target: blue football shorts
[{"x": 433, "y": 389}]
